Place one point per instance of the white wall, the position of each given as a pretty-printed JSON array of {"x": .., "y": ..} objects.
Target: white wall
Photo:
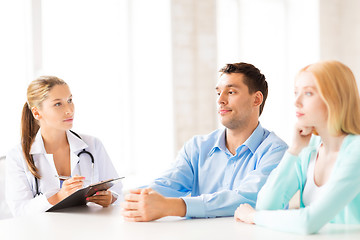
[
  {"x": 194, "y": 65},
  {"x": 14, "y": 62},
  {"x": 340, "y": 32}
]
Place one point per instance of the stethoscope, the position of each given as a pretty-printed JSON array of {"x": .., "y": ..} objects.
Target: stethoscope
[{"x": 82, "y": 152}]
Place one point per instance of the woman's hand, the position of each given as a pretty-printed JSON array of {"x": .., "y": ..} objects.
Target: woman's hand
[
  {"x": 301, "y": 139},
  {"x": 68, "y": 187},
  {"x": 245, "y": 213},
  {"x": 103, "y": 198}
]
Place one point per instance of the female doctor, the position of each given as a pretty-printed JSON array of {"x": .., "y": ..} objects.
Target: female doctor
[{"x": 49, "y": 150}]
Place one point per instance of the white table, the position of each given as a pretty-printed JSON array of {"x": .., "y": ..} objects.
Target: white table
[{"x": 106, "y": 223}]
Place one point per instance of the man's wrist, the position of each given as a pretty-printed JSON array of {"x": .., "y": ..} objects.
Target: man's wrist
[{"x": 175, "y": 207}]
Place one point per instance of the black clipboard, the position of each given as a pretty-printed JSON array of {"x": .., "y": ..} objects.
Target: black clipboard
[{"x": 79, "y": 197}]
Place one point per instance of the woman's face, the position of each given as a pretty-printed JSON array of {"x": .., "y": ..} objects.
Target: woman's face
[
  {"x": 57, "y": 110},
  {"x": 311, "y": 109}
]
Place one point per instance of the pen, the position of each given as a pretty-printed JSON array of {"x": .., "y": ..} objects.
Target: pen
[{"x": 63, "y": 178}]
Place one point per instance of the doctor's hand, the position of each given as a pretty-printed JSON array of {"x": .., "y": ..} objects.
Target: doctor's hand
[
  {"x": 143, "y": 205},
  {"x": 68, "y": 187},
  {"x": 301, "y": 138},
  {"x": 103, "y": 198},
  {"x": 245, "y": 213}
]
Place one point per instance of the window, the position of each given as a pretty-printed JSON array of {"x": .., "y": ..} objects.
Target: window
[{"x": 115, "y": 56}]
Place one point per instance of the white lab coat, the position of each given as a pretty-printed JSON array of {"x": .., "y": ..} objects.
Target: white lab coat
[{"x": 20, "y": 183}]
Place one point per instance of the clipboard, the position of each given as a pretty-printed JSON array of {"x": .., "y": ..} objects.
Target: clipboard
[{"x": 79, "y": 197}]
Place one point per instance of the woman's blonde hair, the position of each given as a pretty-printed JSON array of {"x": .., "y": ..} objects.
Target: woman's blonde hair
[
  {"x": 37, "y": 92},
  {"x": 338, "y": 88}
]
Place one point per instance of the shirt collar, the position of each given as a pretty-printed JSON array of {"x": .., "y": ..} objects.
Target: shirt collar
[
  {"x": 38, "y": 145},
  {"x": 255, "y": 139},
  {"x": 220, "y": 142},
  {"x": 76, "y": 144},
  {"x": 252, "y": 142}
]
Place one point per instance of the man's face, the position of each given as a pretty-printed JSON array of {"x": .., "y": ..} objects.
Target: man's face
[{"x": 236, "y": 106}]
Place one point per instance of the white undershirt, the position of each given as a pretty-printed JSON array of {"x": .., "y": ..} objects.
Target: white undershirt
[{"x": 311, "y": 190}]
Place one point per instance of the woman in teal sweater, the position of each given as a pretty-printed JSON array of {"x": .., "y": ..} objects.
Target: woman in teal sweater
[{"x": 326, "y": 169}]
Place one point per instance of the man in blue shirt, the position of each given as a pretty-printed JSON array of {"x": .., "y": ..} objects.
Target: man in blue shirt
[{"x": 215, "y": 173}]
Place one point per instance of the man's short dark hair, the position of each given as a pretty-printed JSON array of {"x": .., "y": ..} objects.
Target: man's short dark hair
[{"x": 253, "y": 78}]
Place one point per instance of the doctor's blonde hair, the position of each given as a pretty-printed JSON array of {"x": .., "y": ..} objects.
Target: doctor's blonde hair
[
  {"x": 37, "y": 92},
  {"x": 338, "y": 89}
]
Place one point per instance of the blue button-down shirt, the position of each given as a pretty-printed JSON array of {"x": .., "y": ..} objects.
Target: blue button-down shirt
[{"x": 216, "y": 180}]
